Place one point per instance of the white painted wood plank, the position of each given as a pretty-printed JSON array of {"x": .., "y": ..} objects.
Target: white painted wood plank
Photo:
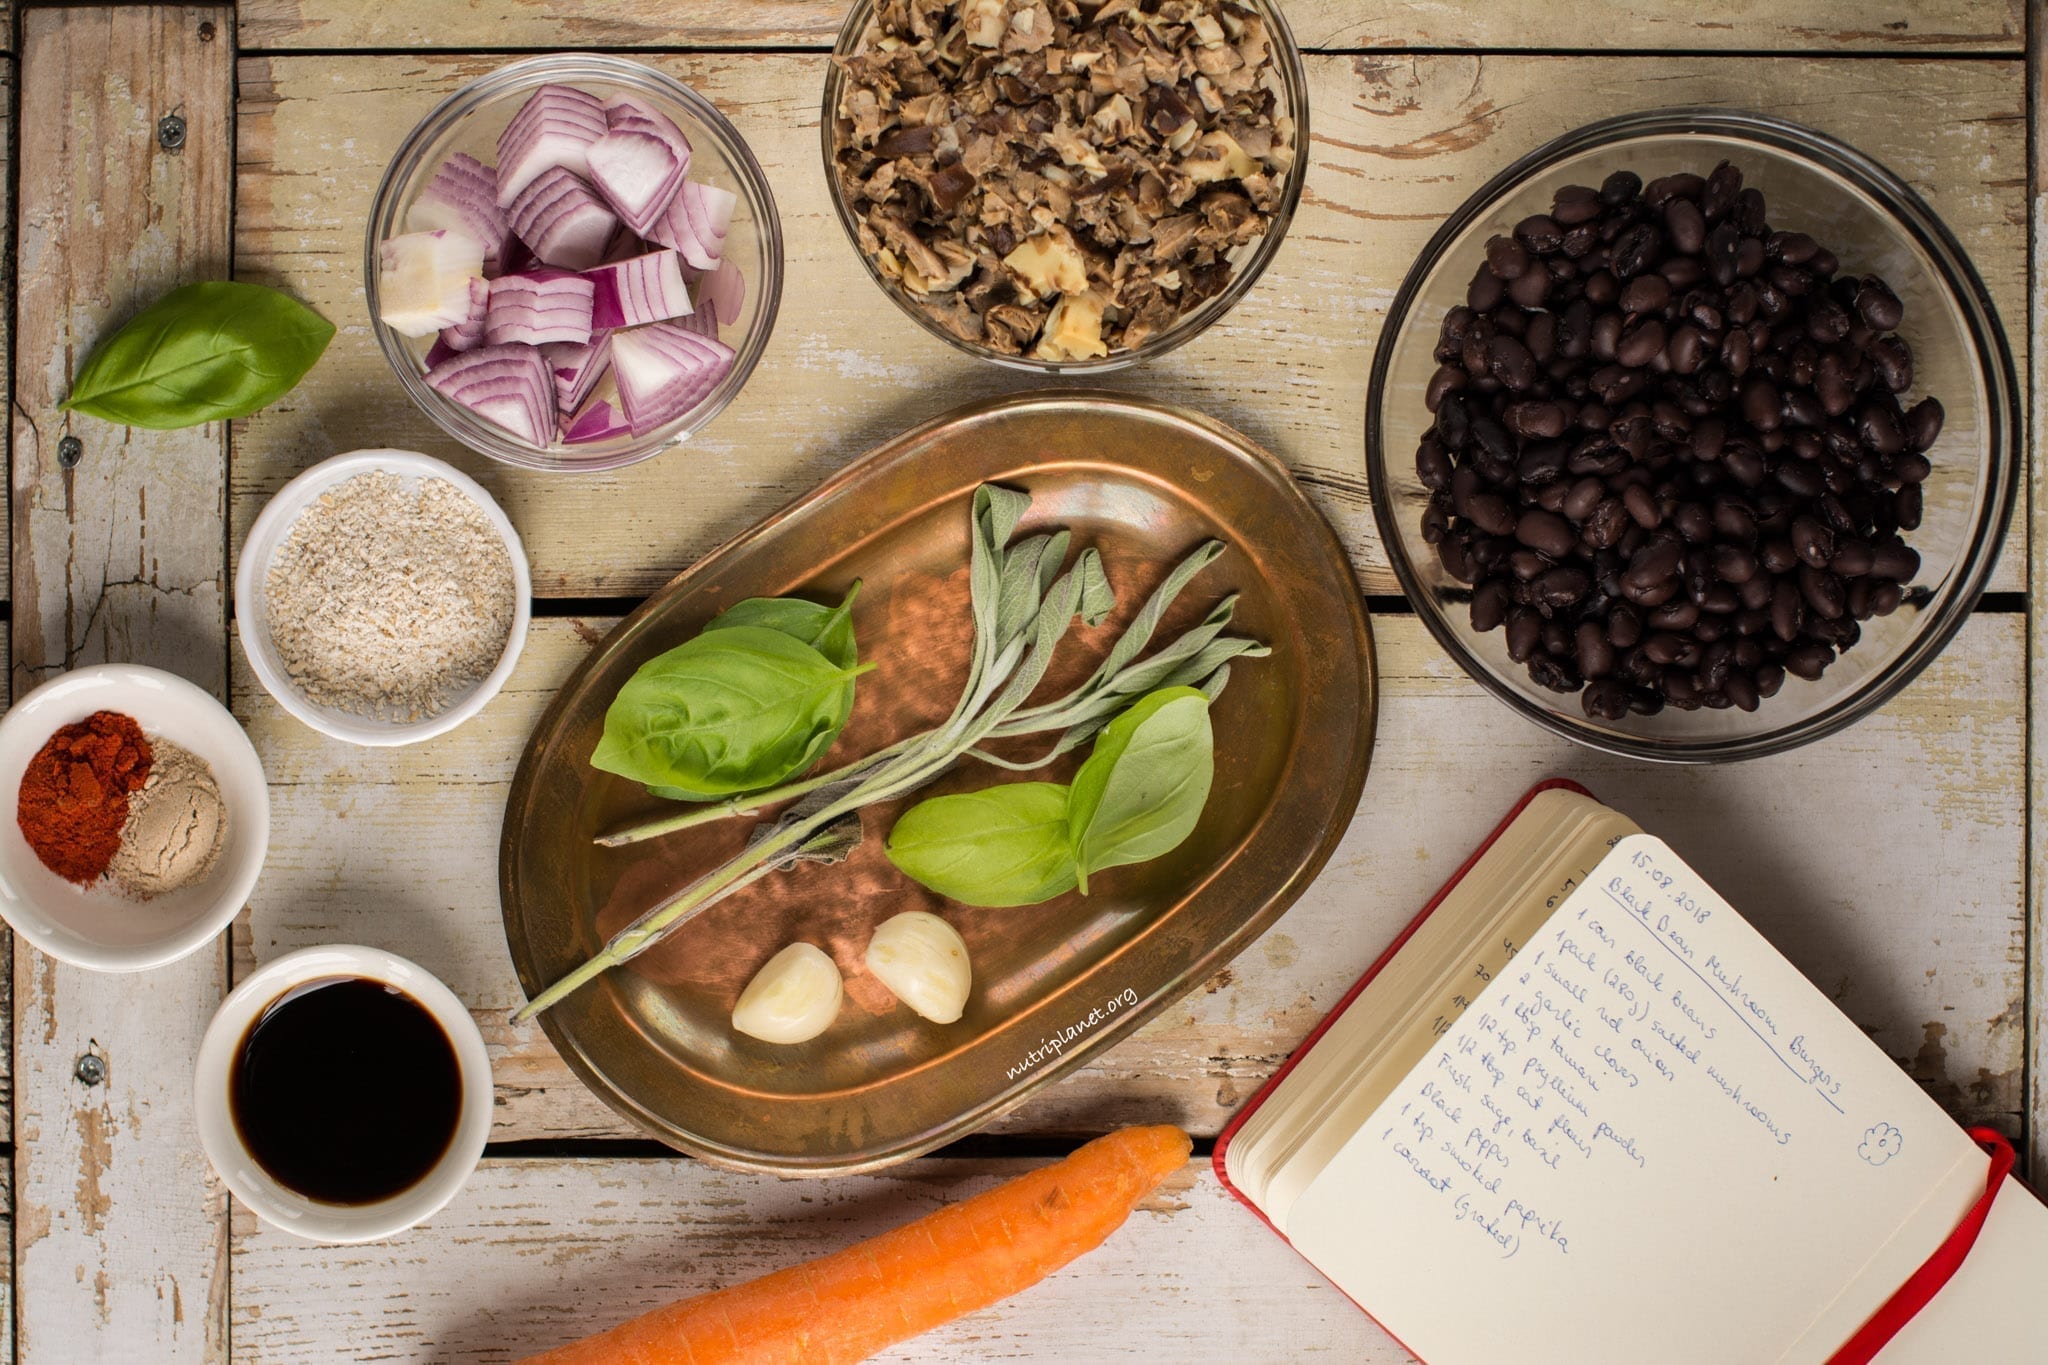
[
  {"x": 2030, "y": 528},
  {"x": 121, "y": 1252},
  {"x": 1756, "y": 25},
  {"x": 1399, "y": 142},
  {"x": 398, "y": 848},
  {"x": 534, "y": 1253}
]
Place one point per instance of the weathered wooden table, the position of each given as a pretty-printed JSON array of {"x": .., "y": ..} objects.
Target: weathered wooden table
[{"x": 1898, "y": 864}]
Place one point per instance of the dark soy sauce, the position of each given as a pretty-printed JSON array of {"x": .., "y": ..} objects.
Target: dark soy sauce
[{"x": 346, "y": 1090}]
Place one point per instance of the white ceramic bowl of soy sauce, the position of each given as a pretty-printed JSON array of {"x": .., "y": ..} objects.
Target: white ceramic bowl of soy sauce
[{"x": 227, "y": 1146}]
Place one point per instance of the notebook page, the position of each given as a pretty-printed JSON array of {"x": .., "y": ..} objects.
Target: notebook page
[
  {"x": 1991, "y": 1309},
  {"x": 1529, "y": 870},
  {"x": 1651, "y": 1139}
]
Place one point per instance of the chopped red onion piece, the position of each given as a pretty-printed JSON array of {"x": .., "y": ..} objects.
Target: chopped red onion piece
[
  {"x": 663, "y": 371},
  {"x": 724, "y": 290},
  {"x": 564, "y": 222},
  {"x": 599, "y": 419},
  {"x": 423, "y": 280},
  {"x": 553, "y": 129},
  {"x": 468, "y": 334},
  {"x": 646, "y": 288},
  {"x": 504, "y": 385},
  {"x": 538, "y": 307},
  {"x": 640, "y": 162},
  {"x": 695, "y": 223},
  {"x": 577, "y": 369},
  {"x": 463, "y": 197}
]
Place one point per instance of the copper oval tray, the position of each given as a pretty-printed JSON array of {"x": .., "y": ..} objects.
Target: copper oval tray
[{"x": 1143, "y": 483}]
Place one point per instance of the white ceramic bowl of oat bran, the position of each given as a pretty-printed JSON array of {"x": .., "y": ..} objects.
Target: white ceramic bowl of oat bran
[{"x": 252, "y": 606}]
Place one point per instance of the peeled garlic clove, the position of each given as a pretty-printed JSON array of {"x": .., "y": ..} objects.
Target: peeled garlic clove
[
  {"x": 792, "y": 999},
  {"x": 923, "y": 961}
]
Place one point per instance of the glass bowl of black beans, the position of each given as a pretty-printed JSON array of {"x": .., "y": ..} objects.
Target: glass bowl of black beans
[{"x": 1693, "y": 435}]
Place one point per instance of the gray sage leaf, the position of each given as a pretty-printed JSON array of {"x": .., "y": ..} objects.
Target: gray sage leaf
[
  {"x": 201, "y": 353},
  {"x": 1143, "y": 788},
  {"x": 1001, "y": 846}
]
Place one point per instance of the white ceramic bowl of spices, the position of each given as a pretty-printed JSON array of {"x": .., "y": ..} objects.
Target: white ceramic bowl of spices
[
  {"x": 139, "y": 817},
  {"x": 382, "y": 597}
]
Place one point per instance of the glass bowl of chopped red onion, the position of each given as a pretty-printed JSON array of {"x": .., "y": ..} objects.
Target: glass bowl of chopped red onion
[
  {"x": 573, "y": 262},
  {"x": 1040, "y": 196},
  {"x": 1693, "y": 481}
]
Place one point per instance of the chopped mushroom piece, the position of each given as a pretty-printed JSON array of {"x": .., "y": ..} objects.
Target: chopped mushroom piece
[{"x": 1062, "y": 178}]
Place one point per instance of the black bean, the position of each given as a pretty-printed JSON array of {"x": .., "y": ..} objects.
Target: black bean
[
  {"x": 1485, "y": 292},
  {"x": 1672, "y": 616},
  {"x": 1694, "y": 522},
  {"x": 1640, "y": 343},
  {"x": 1923, "y": 423},
  {"x": 1490, "y": 513},
  {"x": 1540, "y": 233},
  {"x": 1524, "y": 633},
  {"x": 1762, "y": 406},
  {"x": 1531, "y": 289},
  {"x": 1808, "y": 661},
  {"x": 1595, "y": 651},
  {"x": 1561, "y": 587},
  {"x": 1636, "y": 250},
  {"x": 1553, "y": 674},
  {"x": 1509, "y": 361},
  {"x": 1575, "y": 204},
  {"x": 1788, "y": 610},
  {"x": 1546, "y": 532},
  {"x": 1745, "y": 464},
  {"x": 1620, "y": 188},
  {"x": 1538, "y": 420},
  {"x": 1822, "y": 591},
  {"x": 1879, "y": 427},
  {"x": 1878, "y": 306},
  {"x": 1605, "y": 700},
  {"x": 1852, "y": 557},
  {"x": 1907, "y": 507},
  {"x": 1813, "y": 543},
  {"x": 1717, "y": 197},
  {"x": 1489, "y": 605},
  {"x": 1582, "y": 498},
  {"x": 1506, "y": 257},
  {"x": 1896, "y": 560},
  {"x": 1733, "y": 564},
  {"x": 1685, "y": 225},
  {"x": 1646, "y": 294}
]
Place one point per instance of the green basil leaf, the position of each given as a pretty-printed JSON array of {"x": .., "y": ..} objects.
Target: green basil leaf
[
  {"x": 1144, "y": 785},
  {"x": 201, "y": 353},
  {"x": 731, "y": 711},
  {"x": 1000, "y": 846},
  {"x": 829, "y": 630}
]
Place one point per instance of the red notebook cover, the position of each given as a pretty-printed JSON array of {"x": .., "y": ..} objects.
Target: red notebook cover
[{"x": 1915, "y": 1294}]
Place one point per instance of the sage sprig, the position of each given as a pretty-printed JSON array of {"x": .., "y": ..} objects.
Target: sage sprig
[{"x": 1023, "y": 604}]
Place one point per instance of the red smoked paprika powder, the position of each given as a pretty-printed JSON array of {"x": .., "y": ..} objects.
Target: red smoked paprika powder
[{"x": 74, "y": 796}]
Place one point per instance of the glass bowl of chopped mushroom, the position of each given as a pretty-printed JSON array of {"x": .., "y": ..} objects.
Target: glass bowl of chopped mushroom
[{"x": 1060, "y": 185}]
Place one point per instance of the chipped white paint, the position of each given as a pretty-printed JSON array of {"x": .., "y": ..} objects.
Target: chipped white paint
[
  {"x": 1399, "y": 142},
  {"x": 1790, "y": 25},
  {"x": 398, "y": 848},
  {"x": 122, "y": 1246},
  {"x": 536, "y": 1253}
]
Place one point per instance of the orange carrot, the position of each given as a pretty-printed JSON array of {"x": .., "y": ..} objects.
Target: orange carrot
[{"x": 844, "y": 1307}]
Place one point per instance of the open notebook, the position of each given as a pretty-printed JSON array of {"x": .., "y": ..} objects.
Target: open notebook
[{"x": 1584, "y": 1112}]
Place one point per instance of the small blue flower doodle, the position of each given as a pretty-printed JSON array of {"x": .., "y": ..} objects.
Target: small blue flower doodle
[{"x": 1881, "y": 1143}]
